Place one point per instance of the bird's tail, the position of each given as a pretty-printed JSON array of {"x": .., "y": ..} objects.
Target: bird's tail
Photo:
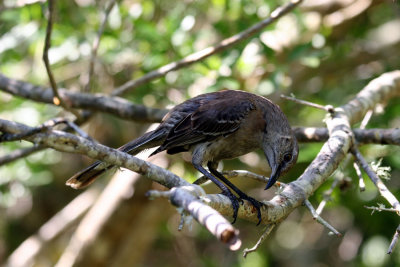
[{"x": 87, "y": 176}]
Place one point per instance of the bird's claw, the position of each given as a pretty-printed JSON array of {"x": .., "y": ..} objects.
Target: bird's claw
[
  {"x": 235, "y": 203},
  {"x": 256, "y": 204}
]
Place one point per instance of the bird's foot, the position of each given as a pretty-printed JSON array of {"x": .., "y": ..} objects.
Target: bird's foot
[
  {"x": 235, "y": 203},
  {"x": 256, "y": 204}
]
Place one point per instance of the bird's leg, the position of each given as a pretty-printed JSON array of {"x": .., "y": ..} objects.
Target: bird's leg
[
  {"x": 257, "y": 204},
  {"x": 225, "y": 190}
]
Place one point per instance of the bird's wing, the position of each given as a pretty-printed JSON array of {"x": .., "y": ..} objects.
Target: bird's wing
[{"x": 210, "y": 118}]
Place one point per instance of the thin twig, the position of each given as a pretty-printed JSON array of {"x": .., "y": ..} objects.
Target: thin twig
[
  {"x": 182, "y": 221},
  {"x": 319, "y": 219},
  {"x": 24, "y": 152},
  {"x": 364, "y": 122},
  {"x": 366, "y": 119},
  {"x": 47, "y": 44},
  {"x": 234, "y": 174},
  {"x": 383, "y": 190},
  {"x": 200, "y": 55},
  {"x": 96, "y": 43},
  {"x": 394, "y": 240},
  {"x": 78, "y": 130},
  {"x": 327, "y": 108},
  {"x": 152, "y": 194},
  {"x": 266, "y": 233},
  {"x": 19, "y": 154},
  {"x": 361, "y": 183},
  {"x": 368, "y": 136},
  {"x": 380, "y": 209},
  {"x": 7, "y": 137},
  {"x": 57, "y": 100},
  {"x": 327, "y": 195}
]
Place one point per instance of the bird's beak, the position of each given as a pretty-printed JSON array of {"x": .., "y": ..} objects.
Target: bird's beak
[
  {"x": 273, "y": 164},
  {"x": 274, "y": 176}
]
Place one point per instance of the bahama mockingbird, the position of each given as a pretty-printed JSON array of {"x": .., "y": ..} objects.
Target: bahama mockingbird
[{"x": 213, "y": 127}]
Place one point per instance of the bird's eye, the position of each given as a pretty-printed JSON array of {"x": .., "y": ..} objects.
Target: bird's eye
[{"x": 287, "y": 157}]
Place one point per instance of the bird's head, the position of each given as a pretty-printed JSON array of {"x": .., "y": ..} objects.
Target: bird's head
[{"x": 281, "y": 152}]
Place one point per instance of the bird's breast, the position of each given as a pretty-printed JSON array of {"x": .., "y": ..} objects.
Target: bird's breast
[{"x": 228, "y": 147}]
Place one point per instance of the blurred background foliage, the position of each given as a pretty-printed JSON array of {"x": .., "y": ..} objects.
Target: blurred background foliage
[{"x": 325, "y": 51}]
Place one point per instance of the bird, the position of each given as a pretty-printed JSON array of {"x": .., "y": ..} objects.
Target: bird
[{"x": 216, "y": 126}]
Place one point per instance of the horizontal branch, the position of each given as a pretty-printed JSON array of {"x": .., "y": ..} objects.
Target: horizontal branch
[
  {"x": 379, "y": 208},
  {"x": 67, "y": 142},
  {"x": 362, "y": 136},
  {"x": 94, "y": 102},
  {"x": 18, "y": 154}
]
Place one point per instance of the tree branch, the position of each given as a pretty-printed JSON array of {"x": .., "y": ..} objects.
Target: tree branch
[
  {"x": 57, "y": 99},
  {"x": 362, "y": 136},
  {"x": 96, "y": 43},
  {"x": 380, "y": 208},
  {"x": 266, "y": 233},
  {"x": 200, "y": 55},
  {"x": 187, "y": 197},
  {"x": 19, "y": 154},
  {"x": 7, "y": 137},
  {"x": 394, "y": 241},
  {"x": 95, "y": 102},
  {"x": 361, "y": 183},
  {"x": 318, "y": 218},
  {"x": 327, "y": 108},
  {"x": 383, "y": 190},
  {"x": 67, "y": 142}
]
